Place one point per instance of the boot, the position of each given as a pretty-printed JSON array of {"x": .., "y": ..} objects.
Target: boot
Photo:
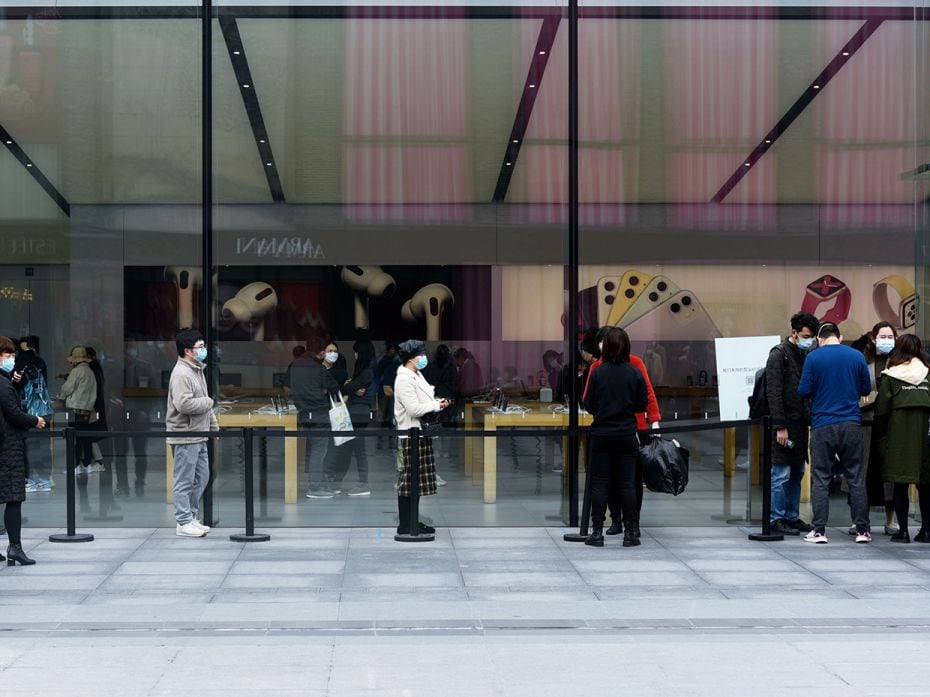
[
  {"x": 631, "y": 537},
  {"x": 596, "y": 538},
  {"x": 15, "y": 554},
  {"x": 616, "y": 527}
]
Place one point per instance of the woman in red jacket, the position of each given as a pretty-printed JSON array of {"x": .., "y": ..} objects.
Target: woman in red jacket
[{"x": 643, "y": 419}]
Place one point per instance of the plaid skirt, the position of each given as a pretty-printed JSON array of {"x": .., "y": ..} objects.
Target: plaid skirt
[{"x": 427, "y": 478}]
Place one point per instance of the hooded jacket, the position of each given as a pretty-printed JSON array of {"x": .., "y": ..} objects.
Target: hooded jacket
[{"x": 902, "y": 410}]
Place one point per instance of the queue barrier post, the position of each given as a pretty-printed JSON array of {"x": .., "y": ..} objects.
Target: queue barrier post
[
  {"x": 70, "y": 463},
  {"x": 766, "y": 535},
  {"x": 582, "y": 533},
  {"x": 250, "y": 535}
]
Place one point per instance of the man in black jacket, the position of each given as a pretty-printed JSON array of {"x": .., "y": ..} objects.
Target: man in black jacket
[
  {"x": 791, "y": 421},
  {"x": 312, "y": 385}
]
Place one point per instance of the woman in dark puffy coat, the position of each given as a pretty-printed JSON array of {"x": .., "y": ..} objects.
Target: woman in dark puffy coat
[{"x": 13, "y": 421}]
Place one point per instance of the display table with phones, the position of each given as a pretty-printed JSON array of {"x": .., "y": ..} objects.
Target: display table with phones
[
  {"x": 243, "y": 414},
  {"x": 481, "y": 416}
]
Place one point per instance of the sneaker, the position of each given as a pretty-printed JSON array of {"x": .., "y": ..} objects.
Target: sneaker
[
  {"x": 43, "y": 485},
  {"x": 96, "y": 467},
  {"x": 30, "y": 486},
  {"x": 783, "y": 527},
  {"x": 863, "y": 537},
  {"x": 818, "y": 538},
  {"x": 188, "y": 530},
  {"x": 321, "y": 493},
  {"x": 200, "y": 526},
  {"x": 800, "y": 525},
  {"x": 81, "y": 470},
  {"x": 359, "y": 490},
  {"x": 440, "y": 481},
  {"x": 852, "y": 530},
  {"x": 892, "y": 529}
]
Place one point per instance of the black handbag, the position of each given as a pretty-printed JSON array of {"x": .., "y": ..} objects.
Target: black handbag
[{"x": 664, "y": 464}]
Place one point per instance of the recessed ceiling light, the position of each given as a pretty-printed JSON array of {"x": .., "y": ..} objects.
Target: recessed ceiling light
[
  {"x": 845, "y": 53},
  {"x": 9, "y": 142},
  {"x": 767, "y": 140},
  {"x": 515, "y": 140},
  {"x": 816, "y": 87},
  {"x": 29, "y": 164},
  {"x": 235, "y": 53},
  {"x": 532, "y": 86},
  {"x": 246, "y": 86},
  {"x": 542, "y": 53},
  {"x": 746, "y": 164},
  {"x": 508, "y": 164},
  {"x": 268, "y": 164}
]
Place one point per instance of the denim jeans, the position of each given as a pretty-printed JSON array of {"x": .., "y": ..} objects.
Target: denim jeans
[{"x": 786, "y": 491}]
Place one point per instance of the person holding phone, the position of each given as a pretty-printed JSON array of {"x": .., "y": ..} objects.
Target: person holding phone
[{"x": 414, "y": 397}]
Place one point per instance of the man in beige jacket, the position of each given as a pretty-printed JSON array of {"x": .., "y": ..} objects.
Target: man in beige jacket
[{"x": 190, "y": 408}]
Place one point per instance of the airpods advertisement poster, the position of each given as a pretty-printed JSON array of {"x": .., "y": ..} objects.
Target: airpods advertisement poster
[{"x": 288, "y": 303}]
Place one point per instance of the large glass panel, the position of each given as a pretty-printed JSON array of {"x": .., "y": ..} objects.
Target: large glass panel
[
  {"x": 739, "y": 165},
  {"x": 100, "y": 164},
  {"x": 381, "y": 175}
]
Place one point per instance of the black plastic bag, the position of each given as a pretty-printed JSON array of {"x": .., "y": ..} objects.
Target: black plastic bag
[{"x": 664, "y": 464}]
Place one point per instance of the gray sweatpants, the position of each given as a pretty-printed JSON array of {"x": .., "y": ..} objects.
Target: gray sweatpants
[
  {"x": 191, "y": 474},
  {"x": 843, "y": 441}
]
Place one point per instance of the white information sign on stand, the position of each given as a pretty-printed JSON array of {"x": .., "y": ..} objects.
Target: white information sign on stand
[{"x": 738, "y": 359}]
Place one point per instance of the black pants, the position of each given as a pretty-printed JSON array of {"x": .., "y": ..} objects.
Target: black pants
[
  {"x": 13, "y": 521},
  {"x": 613, "y": 476},
  {"x": 902, "y": 504},
  {"x": 342, "y": 458},
  {"x": 613, "y": 497}
]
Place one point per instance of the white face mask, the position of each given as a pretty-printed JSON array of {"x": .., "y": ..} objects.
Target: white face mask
[
  {"x": 884, "y": 346},
  {"x": 331, "y": 356}
]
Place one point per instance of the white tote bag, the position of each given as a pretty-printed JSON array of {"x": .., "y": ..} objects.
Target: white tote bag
[{"x": 339, "y": 419}]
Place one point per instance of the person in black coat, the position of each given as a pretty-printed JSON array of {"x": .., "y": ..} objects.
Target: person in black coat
[
  {"x": 440, "y": 373},
  {"x": 13, "y": 421},
  {"x": 360, "y": 401},
  {"x": 615, "y": 394},
  {"x": 312, "y": 385}
]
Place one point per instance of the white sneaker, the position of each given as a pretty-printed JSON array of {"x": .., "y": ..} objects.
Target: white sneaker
[
  {"x": 818, "y": 538},
  {"x": 440, "y": 481},
  {"x": 81, "y": 470},
  {"x": 892, "y": 529},
  {"x": 188, "y": 530},
  {"x": 200, "y": 526},
  {"x": 863, "y": 537},
  {"x": 96, "y": 467},
  {"x": 30, "y": 486}
]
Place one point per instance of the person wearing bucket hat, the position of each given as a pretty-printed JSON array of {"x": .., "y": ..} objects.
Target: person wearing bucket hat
[
  {"x": 80, "y": 395},
  {"x": 414, "y": 397}
]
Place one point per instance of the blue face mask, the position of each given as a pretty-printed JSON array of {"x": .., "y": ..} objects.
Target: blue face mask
[
  {"x": 884, "y": 346},
  {"x": 7, "y": 365},
  {"x": 201, "y": 354},
  {"x": 805, "y": 343},
  {"x": 422, "y": 362}
]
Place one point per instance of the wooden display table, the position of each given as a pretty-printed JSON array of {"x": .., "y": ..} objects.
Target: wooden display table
[{"x": 242, "y": 415}]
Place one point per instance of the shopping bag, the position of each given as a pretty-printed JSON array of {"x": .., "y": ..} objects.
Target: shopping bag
[
  {"x": 339, "y": 419},
  {"x": 664, "y": 464}
]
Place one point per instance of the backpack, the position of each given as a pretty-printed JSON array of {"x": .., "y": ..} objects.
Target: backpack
[
  {"x": 759, "y": 399},
  {"x": 36, "y": 400}
]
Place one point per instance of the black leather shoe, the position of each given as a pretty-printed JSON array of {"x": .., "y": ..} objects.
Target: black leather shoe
[
  {"x": 631, "y": 538},
  {"x": 800, "y": 525},
  {"x": 616, "y": 527},
  {"x": 901, "y": 536},
  {"x": 15, "y": 553},
  {"x": 427, "y": 528},
  {"x": 783, "y": 527},
  {"x": 596, "y": 538},
  {"x": 922, "y": 536}
]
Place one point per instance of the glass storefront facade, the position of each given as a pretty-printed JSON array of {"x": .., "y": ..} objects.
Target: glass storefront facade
[{"x": 464, "y": 174}]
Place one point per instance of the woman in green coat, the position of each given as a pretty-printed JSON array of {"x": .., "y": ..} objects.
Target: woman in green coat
[{"x": 902, "y": 411}]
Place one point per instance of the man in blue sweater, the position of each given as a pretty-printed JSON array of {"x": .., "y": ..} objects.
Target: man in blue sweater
[{"x": 835, "y": 377}]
